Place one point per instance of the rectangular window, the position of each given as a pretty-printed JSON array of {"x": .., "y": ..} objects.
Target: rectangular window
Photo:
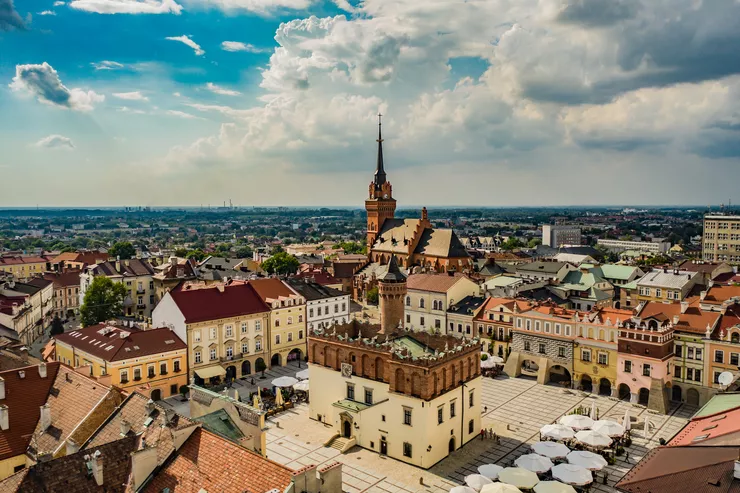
[
  {"x": 300, "y": 334},
  {"x": 471, "y": 398},
  {"x": 277, "y": 322},
  {"x": 690, "y": 353},
  {"x": 176, "y": 365},
  {"x": 542, "y": 348},
  {"x": 689, "y": 373},
  {"x": 150, "y": 371},
  {"x": 567, "y": 330},
  {"x": 734, "y": 359},
  {"x": 561, "y": 352},
  {"x": 290, "y": 320},
  {"x": 257, "y": 325},
  {"x": 407, "y": 449},
  {"x": 603, "y": 359},
  {"x": 163, "y": 368},
  {"x": 716, "y": 376},
  {"x": 526, "y": 345},
  {"x": 196, "y": 336},
  {"x": 229, "y": 331},
  {"x": 124, "y": 376},
  {"x": 408, "y": 318},
  {"x": 471, "y": 426},
  {"x": 421, "y": 321},
  {"x": 198, "y": 357},
  {"x": 677, "y": 371},
  {"x": 245, "y": 347},
  {"x": 350, "y": 391},
  {"x": 547, "y": 327},
  {"x": 258, "y": 345},
  {"x": 452, "y": 409},
  {"x": 657, "y": 292},
  {"x": 697, "y": 375},
  {"x": 407, "y": 416},
  {"x": 698, "y": 354},
  {"x": 585, "y": 355},
  {"x": 277, "y": 338},
  {"x": 537, "y": 325},
  {"x": 437, "y": 324},
  {"x": 440, "y": 414},
  {"x": 369, "y": 397},
  {"x": 137, "y": 374},
  {"x": 310, "y": 312},
  {"x": 646, "y": 370},
  {"x": 213, "y": 354},
  {"x": 213, "y": 333},
  {"x": 678, "y": 350},
  {"x": 244, "y": 327},
  {"x": 229, "y": 352},
  {"x": 290, "y": 336},
  {"x": 719, "y": 356}
]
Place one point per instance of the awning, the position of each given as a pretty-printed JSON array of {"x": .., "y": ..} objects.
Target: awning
[{"x": 210, "y": 372}]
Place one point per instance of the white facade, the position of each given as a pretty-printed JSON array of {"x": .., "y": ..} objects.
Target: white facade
[
  {"x": 427, "y": 310},
  {"x": 557, "y": 235},
  {"x": 640, "y": 246},
  {"x": 408, "y": 428},
  {"x": 327, "y": 312}
]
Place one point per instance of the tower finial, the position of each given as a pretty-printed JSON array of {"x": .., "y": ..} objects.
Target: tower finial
[
  {"x": 380, "y": 124},
  {"x": 379, "y": 171}
]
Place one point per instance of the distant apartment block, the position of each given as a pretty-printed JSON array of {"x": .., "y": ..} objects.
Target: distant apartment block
[
  {"x": 639, "y": 246},
  {"x": 721, "y": 242},
  {"x": 557, "y": 235}
]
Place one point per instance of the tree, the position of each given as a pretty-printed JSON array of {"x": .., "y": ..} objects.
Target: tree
[
  {"x": 197, "y": 255},
  {"x": 103, "y": 300},
  {"x": 181, "y": 252},
  {"x": 281, "y": 263},
  {"x": 511, "y": 244},
  {"x": 261, "y": 366},
  {"x": 57, "y": 327},
  {"x": 122, "y": 249},
  {"x": 372, "y": 295},
  {"x": 276, "y": 249},
  {"x": 243, "y": 252},
  {"x": 351, "y": 247},
  {"x": 534, "y": 242}
]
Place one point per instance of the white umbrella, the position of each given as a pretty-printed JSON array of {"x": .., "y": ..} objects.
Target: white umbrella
[
  {"x": 302, "y": 386},
  {"x": 533, "y": 462},
  {"x": 577, "y": 421},
  {"x": 500, "y": 488},
  {"x": 593, "y": 438},
  {"x": 487, "y": 363},
  {"x": 519, "y": 477},
  {"x": 609, "y": 428},
  {"x": 587, "y": 460},
  {"x": 476, "y": 481},
  {"x": 497, "y": 359},
  {"x": 553, "y": 487},
  {"x": 490, "y": 470},
  {"x": 553, "y": 450},
  {"x": 302, "y": 375},
  {"x": 462, "y": 489},
  {"x": 557, "y": 432},
  {"x": 279, "y": 398},
  {"x": 572, "y": 474},
  {"x": 593, "y": 410},
  {"x": 284, "y": 382},
  {"x": 626, "y": 421}
]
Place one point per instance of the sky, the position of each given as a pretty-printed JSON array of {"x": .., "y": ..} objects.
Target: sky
[{"x": 275, "y": 102}]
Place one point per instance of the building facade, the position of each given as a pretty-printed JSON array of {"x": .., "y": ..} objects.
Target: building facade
[
  {"x": 151, "y": 361},
  {"x": 654, "y": 247},
  {"x": 721, "y": 238},
  {"x": 225, "y": 326},
  {"x": 429, "y": 296},
  {"x": 66, "y": 301},
  {"x": 135, "y": 274},
  {"x": 23, "y": 267},
  {"x": 388, "y": 392},
  {"x": 325, "y": 306},
  {"x": 557, "y": 235},
  {"x": 666, "y": 285}
]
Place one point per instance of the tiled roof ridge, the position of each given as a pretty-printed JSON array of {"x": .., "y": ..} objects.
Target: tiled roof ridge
[{"x": 627, "y": 479}]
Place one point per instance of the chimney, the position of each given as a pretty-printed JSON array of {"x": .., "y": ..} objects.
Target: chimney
[
  {"x": 95, "y": 466},
  {"x": 143, "y": 463},
  {"x": 45, "y": 417},
  {"x": 676, "y": 318},
  {"x": 331, "y": 478},
  {"x": 42, "y": 370},
  {"x": 4, "y": 418},
  {"x": 24, "y": 354},
  {"x": 702, "y": 295},
  {"x": 150, "y": 405},
  {"x": 684, "y": 306},
  {"x": 72, "y": 447},
  {"x": 173, "y": 261},
  {"x": 306, "y": 480},
  {"x": 125, "y": 427},
  {"x": 21, "y": 374},
  {"x": 118, "y": 264},
  {"x": 2, "y": 388}
]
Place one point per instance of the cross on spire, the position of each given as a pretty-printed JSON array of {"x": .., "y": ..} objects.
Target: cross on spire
[{"x": 380, "y": 124}]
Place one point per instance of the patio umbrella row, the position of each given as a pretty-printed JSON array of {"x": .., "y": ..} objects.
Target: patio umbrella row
[{"x": 512, "y": 479}]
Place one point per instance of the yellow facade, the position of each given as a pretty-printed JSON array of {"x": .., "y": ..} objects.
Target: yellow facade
[
  {"x": 165, "y": 372},
  {"x": 11, "y": 465},
  {"x": 287, "y": 333},
  {"x": 595, "y": 364},
  {"x": 237, "y": 342},
  {"x": 24, "y": 270}
]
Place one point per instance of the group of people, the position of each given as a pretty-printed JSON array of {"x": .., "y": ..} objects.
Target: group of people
[{"x": 488, "y": 433}]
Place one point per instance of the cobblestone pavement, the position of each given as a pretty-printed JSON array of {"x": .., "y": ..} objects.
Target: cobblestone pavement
[{"x": 516, "y": 408}]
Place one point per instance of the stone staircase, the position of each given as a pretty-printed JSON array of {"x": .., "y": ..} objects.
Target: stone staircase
[{"x": 338, "y": 443}]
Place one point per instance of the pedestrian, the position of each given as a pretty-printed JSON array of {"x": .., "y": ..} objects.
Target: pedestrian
[
  {"x": 482, "y": 433},
  {"x": 606, "y": 476},
  {"x": 485, "y": 409},
  {"x": 627, "y": 455},
  {"x": 495, "y": 437}
]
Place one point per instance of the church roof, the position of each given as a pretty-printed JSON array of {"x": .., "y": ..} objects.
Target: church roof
[
  {"x": 438, "y": 242},
  {"x": 395, "y": 235}
]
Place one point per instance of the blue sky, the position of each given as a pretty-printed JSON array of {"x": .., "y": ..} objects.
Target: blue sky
[{"x": 487, "y": 102}]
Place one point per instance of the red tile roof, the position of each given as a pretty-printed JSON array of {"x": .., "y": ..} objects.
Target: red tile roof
[
  {"x": 203, "y": 303},
  {"x": 24, "y": 398},
  {"x": 64, "y": 279},
  {"x": 271, "y": 288},
  {"x": 208, "y": 462},
  {"x": 694, "y": 320},
  {"x": 18, "y": 260},
  {"x": 113, "y": 343},
  {"x": 439, "y": 283},
  {"x": 319, "y": 277},
  {"x": 706, "y": 430}
]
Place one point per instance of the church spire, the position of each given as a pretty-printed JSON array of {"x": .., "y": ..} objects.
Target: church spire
[{"x": 379, "y": 170}]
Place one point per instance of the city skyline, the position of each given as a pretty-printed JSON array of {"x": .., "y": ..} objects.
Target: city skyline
[{"x": 274, "y": 102}]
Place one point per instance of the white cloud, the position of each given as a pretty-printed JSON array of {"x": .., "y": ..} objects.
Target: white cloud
[
  {"x": 127, "y": 6},
  {"x": 59, "y": 3},
  {"x": 182, "y": 114},
  {"x": 185, "y": 39},
  {"x": 221, "y": 90},
  {"x": 42, "y": 81},
  {"x": 261, "y": 7},
  {"x": 239, "y": 46},
  {"x": 55, "y": 142},
  {"x": 176, "y": 94},
  {"x": 107, "y": 65},
  {"x": 126, "y": 109},
  {"x": 47, "y": 12},
  {"x": 131, "y": 96}
]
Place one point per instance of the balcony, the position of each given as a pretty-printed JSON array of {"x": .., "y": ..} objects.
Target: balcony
[
  {"x": 176, "y": 370},
  {"x": 136, "y": 379},
  {"x": 163, "y": 372},
  {"x": 124, "y": 381},
  {"x": 140, "y": 291},
  {"x": 151, "y": 375}
]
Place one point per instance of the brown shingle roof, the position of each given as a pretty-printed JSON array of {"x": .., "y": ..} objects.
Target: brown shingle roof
[
  {"x": 694, "y": 320},
  {"x": 69, "y": 474},
  {"x": 24, "y": 398},
  {"x": 690, "y": 469},
  {"x": 271, "y": 288},
  {"x": 439, "y": 283},
  {"x": 201, "y": 463},
  {"x": 64, "y": 279},
  {"x": 210, "y": 302},
  {"x": 71, "y": 398},
  {"x": 105, "y": 341}
]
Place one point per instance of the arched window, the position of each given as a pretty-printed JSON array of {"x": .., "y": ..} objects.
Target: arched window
[
  {"x": 400, "y": 380},
  {"x": 408, "y": 300},
  {"x": 735, "y": 337},
  {"x": 421, "y": 303}
]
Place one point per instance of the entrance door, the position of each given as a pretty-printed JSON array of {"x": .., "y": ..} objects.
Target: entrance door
[
  {"x": 383, "y": 446},
  {"x": 451, "y": 446},
  {"x": 347, "y": 429}
]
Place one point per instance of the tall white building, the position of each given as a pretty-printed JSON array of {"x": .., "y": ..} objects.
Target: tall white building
[
  {"x": 557, "y": 235},
  {"x": 325, "y": 306}
]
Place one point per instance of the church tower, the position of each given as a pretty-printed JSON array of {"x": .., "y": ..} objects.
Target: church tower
[
  {"x": 380, "y": 204},
  {"x": 391, "y": 295}
]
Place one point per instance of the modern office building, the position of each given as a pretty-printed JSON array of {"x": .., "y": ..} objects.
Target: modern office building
[
  {"x": 721, "y": 240},
  {"x": 557, "y": 235}
]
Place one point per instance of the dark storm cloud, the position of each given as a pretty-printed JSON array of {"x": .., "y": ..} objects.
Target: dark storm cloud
[
  {"x": 43, "y": 81},
  {"x": 9, "y": 18},
  {"x": 597, "y": 13},
  {"x": 715, "y": 145},
  {"x": 622, "y": 144},
  {"x": 381, "y": 59}
]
